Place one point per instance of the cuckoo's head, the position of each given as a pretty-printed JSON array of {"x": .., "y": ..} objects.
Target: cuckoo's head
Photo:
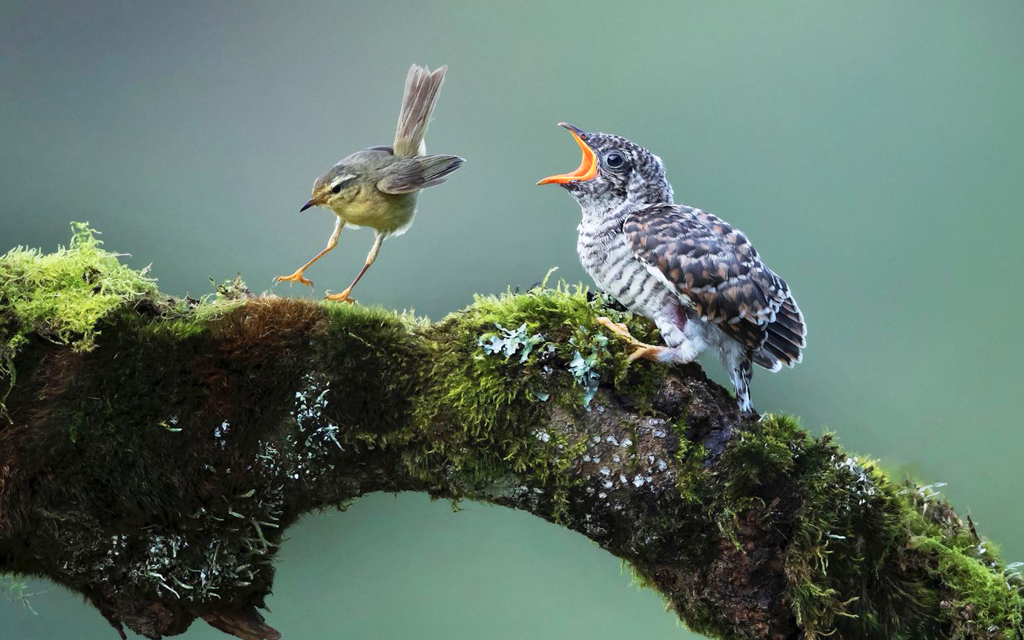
[{"x": 614, "y": 172}]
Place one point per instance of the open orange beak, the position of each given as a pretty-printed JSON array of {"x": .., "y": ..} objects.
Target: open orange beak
[{"x": 588, "y": 166}]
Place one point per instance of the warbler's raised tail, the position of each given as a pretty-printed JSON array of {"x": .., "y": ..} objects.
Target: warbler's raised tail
[{"x": 422, "y": 87}]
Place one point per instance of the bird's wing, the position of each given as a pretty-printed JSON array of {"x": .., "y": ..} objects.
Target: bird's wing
[
  {"x": 412, "y": 174},
  {"x": 717, "y": 273}
]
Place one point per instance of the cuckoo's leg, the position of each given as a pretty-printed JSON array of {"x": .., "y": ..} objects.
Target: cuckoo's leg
[
  {"x": 374, "y": 250},
  {"x": 333, "y": 242},
  {"x": 640, "y": 349}
]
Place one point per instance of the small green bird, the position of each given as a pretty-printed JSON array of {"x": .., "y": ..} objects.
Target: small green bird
[{"x": 377, "y": 187}]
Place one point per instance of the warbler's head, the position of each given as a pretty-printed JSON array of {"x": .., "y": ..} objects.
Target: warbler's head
[
  {"x": 336, "y": 188},
  {"x": 350, "y": 177},
  {"x": 613, "y": 172}
]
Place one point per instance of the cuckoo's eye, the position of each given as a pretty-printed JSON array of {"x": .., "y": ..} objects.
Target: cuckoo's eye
[
  {"x": 336, "y": 188},
  {"x": 614, "y": 160}
]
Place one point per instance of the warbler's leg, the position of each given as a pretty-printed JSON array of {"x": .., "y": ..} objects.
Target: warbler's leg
[
  {"x": 640, "y": 349},
  {"x": 333, "y": 242},
  {"x": 374, "y": 250}
]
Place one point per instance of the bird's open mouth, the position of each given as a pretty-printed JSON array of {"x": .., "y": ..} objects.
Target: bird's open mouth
[{"x": 588, "y": 166}]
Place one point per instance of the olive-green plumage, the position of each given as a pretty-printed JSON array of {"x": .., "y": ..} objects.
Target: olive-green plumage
[{"x": 377, "y": 187}]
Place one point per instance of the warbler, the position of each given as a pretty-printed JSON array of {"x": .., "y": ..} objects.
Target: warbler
[{"x": 378, "y": 186}]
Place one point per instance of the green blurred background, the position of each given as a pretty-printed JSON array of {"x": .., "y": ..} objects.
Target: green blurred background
[{"x": 873, "y": 150}]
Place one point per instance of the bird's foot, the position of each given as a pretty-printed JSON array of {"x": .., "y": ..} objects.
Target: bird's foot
[
  {"x": 295, "y": 277},
  {"x": 617, "y": 328},
  {"x": 341, "y": 297},
  {"x": 646, "y": 352},
  {"x": 640, "y": 349}
]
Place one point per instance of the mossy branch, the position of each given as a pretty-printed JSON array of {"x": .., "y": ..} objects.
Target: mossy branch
[{"x": 153, "y": 451}]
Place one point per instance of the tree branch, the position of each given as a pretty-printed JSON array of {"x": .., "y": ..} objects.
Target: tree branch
[{"x": 153, "y": 461}]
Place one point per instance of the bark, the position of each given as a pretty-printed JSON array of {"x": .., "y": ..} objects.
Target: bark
[{"x": 156, "y": 472}]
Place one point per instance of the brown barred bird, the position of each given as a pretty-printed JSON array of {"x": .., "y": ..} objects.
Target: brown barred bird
[{"x": 695, "y": 276}]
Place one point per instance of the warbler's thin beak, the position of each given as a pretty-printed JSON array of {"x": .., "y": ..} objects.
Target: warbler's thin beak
[
  {"x": 588, "y": 166},
  {"x": 312, "y": 202}
]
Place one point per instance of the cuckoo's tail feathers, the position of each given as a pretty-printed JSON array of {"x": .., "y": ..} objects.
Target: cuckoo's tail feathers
[
  {"x": 422, "y": 87},
  {"x": 786, "y": 339}
]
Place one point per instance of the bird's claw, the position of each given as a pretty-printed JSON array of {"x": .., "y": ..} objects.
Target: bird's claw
[
  {"x": 341, "y": 297},
  {"x": 617, "y": 328},
  {"x": 645, "y": 351},
  {"x": 295, "y": 277},
  {"x": 640, "y": 349}
]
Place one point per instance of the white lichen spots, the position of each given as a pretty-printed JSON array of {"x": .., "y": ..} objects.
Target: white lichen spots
[
  {"x": 171, "y": 424},
  {"x": 658, "y": 433},
  {"x": 604, "y": 471},
  {"x": 650, "y": 459},
  {"x": 543, "y": 436},
  {"x": 862, "y": 487},
  {"x": 928, "y": 493},
  {"x": 612, "y": 441},
  {"x": 321, "y": 437},
  {"x": 220, "y": 432},
  {"x": 330, "y": 432},
  {"x": 586, "y": 457},
  {"x": 607, "y": 484},
  {"x": 616, "y": 458},
  {"x": 661, "y": 464},
  {"x": 1013, "y": 570},
  {"x": 638, "y": 481},
  {"x": 590, "y": 491},
  {"x": 623, "y": 479},
  {"x": 597, "y": 460},
  {"x": 626, "y": 443},
  {"x": 602, "y": 495},
  {"x": 596, "y": 439}
]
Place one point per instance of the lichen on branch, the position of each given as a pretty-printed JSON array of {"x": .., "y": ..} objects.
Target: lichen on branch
[{"x": 154, "y": 451}]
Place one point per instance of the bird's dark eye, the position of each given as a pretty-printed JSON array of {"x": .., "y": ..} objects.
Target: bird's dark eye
[
  {"x": 336, "y": 188},
  {"x": 614, "y": 160}
]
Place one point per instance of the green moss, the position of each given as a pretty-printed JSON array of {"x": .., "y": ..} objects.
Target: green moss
[
  {"x": 62, "y": 296},
  {"x": 977, "y": 592},
  {"x": 919, "y": 572},
  {"x": 762, "y": 455},
  {"x": 693, "y": 479},
  {"x": 496, "y": 369},
  {"x": 461, "y": 408}
]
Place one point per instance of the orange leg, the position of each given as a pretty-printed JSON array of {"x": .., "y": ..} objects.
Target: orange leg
[
  {"x": 344, "y": 296},
  {"x": 640, "y": 349},
  {"x": 297, "y": 276}
]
